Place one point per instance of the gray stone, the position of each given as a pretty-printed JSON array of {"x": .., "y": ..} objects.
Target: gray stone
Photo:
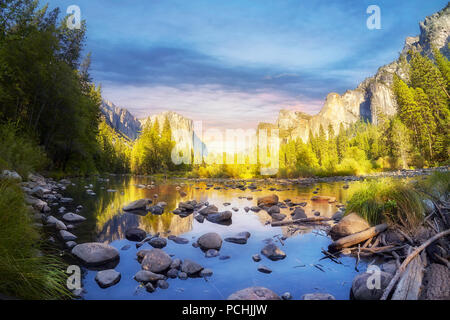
[
  {"x": 67, "y": 236},
  {"x": 212, "y": 253},
  {"x": 182, "y": 275},
  {"x": 206, "y": 273},
  {"x": 73, "y": 218},
  {"x": 220, "y": 217},
  {"x": 350, "y": 224},
  {"x": 240, "y": 238},
  {"x": 360, "y": 290},
  {"x": 190, "y": 267},
  {"x": 145, "y": 276},
  {"x": 200, "y": 218},
  {"x": 318, "y": 296},
  {"x": 107, "y": 278},
  {"x": 135, "y": 234},
  {"x": 254, "y": 293},
  {"x": 256, "y": 258},
  {"x": 162, "y": 284},
  {"x": 172, "y": 273},
  {"x": 210, "y": 240},
  {"x": 264, "y": 269},
  {"x": 176, "y": 264},
  {"x": 158, "y": 243},
  {"x": 156, "y": 260},
  {"x": 149, "y": 287},
  {"x": 286, "y": 296},
  {"x": 95, "y": 253},
  {"x": 272, "y": 252},
  {"x": 70, "y": 244},
  {"x": 140, "y": 204},
  {"x": 298, "y": 213}
]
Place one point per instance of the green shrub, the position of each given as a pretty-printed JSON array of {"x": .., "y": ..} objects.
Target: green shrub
[
  {"x": 18, "y": 152},
  {"x": 24, "y": 272}
]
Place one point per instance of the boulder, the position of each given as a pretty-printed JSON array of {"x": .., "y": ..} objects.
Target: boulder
[
  {"x": 156, "y": 210},
  {"x": 272, "y": 252},
  {"x": 299, "y": 213},
  {"x": 268, "y": 201},
  {"x": 135, "y": 234},
  {"x": 361, "y": 291},
  {"x": 107, "y": 278},
  {"x": 172, "y": 273},
  {"x": 190, "y": 267},
  {"x": 73, "y": 217},
  {"x": 273, "y": 209},
  {"x": 206, "y": 273},
  {"x": 220, "y": 217},
  {"x": 350, "y": 224},
  {"x": 254, "y": 293},
  {"x": 436, "y": 283},
  {"x": 318, "y": 296},
  {"x": 178, "y": 240},
  {"x": 338, "y": 215},
  {"x": 176, "y": 264},
  {"x": 95, "y": 253},
  {"x": 137, "y": 205},
  {"x": 162, "y": 284},
  {"x": 158, "y": 243},
  {"x": 67, "y": 236},
  {"x": 156, "y": 260},
  {"x": 210, "y": 240},
  {"x": 209, "y": 210},
  {"x": 240, "y": 238},
  {"x": 145, "y": 276}
]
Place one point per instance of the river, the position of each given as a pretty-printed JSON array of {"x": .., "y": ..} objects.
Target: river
[{"x": 301, "y": 272}]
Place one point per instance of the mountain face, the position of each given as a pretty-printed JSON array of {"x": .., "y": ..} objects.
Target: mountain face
[
  {"x": 120, "y": 119},
  {"x": 373, "y": 97}
]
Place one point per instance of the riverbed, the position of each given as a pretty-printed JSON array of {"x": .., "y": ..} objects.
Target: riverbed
[{"x": 303, "y": 270}]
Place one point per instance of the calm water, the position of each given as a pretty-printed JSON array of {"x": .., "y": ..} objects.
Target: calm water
[{"x": 296, "y": 273}]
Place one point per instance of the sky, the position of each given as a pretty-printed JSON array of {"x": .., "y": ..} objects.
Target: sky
[{"x": 235, "y": 63}]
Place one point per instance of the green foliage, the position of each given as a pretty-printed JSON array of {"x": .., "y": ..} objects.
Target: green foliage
[
  {"x": 24, "y": 272},
  {"x": 115, "y": 150},
  {"x": 18, "y": 152},
  {"x": 395, "y": 202},
  {"x": 436, "y": 186}
]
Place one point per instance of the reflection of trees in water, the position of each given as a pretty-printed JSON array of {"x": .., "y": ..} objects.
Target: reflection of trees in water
[{"x": 112, "y": 222}]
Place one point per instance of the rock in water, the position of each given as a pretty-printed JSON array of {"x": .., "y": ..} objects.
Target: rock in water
[
  {"x": 190, "y": 267},
  {"x": 73, "y": 218},
  {"x": 220, "y": 217},
  {"x": 137, "y": 205},
  {"x": 254, "y": 293},
  {"x": 323, "y": 199},
  {"x": 264, "y": 269},
  {"x": 135, "y": 234},
  {"x": 272, "y": 252},
  {"x": 206, "y": 273},
  {"x": 360, "y": 290},
  {"x": 156, "y": 260},
  {"x": 268, "y": 201},
  {"x": 210, "y": 240},
  {"x": 299, "y": 213},
  {"x": 240, "y": 238},
  {"x": 256, "y": 258},
  {"x": 145, "y": 276},
  {"x": 318, "y": 296},
  {"x": 107, "y": 278},
  {"x": 67, "y": 236},
  {"x": 158, "y": 243},
  {"x": 350, "y": 224},
  {"x": 95, "y": 254}
]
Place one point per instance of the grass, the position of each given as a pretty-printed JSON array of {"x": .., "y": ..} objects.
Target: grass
[
  {"x": 25, "y": 272},
  {"x": 435, "y": 186},
  {"x": 388, "y": 200}
]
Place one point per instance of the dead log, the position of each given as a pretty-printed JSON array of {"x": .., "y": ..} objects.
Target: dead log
[
  {"x": 299, "y": 221},
  {"x": 356, "y": 238},
  {"x": 408, "y": 259},
  {"x": 408, "y": 288}
]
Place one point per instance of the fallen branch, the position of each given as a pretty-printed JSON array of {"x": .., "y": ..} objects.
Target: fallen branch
[
  {"x": 299, "y": 221},
  {"x": 408, "y": 259},
  {"x": 356, "y": 238}
]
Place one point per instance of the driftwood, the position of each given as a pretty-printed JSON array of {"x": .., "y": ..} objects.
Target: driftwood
[
  {"x": 408, "y": 259},
  {"x": 408, "y": 287},
  {"x": 356, "y": 238},
  {"x": 299, "y": 221}
]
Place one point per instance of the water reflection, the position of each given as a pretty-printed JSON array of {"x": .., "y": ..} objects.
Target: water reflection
[{"x": 108, "y": 223}]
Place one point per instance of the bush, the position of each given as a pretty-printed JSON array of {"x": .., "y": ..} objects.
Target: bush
[
  {"x": 18, "y": 152},
  {"x": 24, "y": 272}
]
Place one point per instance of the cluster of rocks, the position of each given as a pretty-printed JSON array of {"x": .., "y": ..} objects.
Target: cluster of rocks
[{"x": 261, "y": 293}]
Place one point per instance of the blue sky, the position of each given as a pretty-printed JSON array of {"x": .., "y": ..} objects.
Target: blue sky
[{"x": 234, "y": 63}]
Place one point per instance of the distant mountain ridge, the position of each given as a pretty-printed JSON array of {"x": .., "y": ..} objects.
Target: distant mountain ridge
[{"x": 373, "y": 97}]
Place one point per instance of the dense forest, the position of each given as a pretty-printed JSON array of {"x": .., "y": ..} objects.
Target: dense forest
[{"x": 50, "y": 118}]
